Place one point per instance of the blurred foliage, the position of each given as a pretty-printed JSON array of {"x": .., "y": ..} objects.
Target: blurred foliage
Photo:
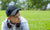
[
  {"x": 39, "y": 4},
  {"x": 29, "y": 4},
  {"x": 5, "y": 3}
]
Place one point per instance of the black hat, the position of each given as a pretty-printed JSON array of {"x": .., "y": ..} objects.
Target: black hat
[{"x": 11, "y": 10}]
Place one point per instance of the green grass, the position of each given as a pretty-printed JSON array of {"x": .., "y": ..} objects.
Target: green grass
[{"x": 38, "y": 20}]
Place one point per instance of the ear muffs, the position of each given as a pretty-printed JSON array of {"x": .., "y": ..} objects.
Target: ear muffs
[
  {"x": 18, "y": 24},
  {"x": 9, "y": 26}
]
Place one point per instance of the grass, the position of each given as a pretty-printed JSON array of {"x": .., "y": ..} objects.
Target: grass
[{"x": 37, "y": 20}]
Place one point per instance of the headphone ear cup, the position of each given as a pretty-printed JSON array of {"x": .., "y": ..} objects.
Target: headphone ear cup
[
  {"x": 9, "y": 26},
  {"x": 18, "y": 25}
]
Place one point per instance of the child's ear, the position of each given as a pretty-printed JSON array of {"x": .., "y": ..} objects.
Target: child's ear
[{"x": 9, "y": 18}]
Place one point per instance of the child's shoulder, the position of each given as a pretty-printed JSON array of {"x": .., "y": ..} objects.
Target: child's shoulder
[
  {"x": 23, "y": 20},
  {"x": 4, "y": 22}
]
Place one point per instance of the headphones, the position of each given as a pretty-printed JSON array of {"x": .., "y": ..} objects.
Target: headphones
[{"x": 10, "y": 26}]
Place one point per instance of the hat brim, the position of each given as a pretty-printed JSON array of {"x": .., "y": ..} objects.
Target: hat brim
[{"x": 14, "y": 12}]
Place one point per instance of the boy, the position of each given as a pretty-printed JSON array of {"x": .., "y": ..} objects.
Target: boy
[{"x": 14, "y": 20}]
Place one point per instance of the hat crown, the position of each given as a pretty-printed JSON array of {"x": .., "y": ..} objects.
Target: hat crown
[{"x": 10, "y": 9}]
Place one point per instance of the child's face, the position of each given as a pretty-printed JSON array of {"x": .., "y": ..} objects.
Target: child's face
[{"x": 15, "y": 19}]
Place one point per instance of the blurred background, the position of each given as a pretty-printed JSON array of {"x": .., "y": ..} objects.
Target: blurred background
[
  {"x": 26, "y": 4},
  {"x": 37, "y": 12}
]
